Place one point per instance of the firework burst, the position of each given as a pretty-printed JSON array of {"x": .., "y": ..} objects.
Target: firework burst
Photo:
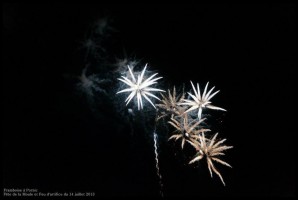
[
  {"x": 170, "y": 104},
  {"x": 210, "y": 149},
  {"x": 200, "y": 101},
  {"x": 186, "y": 131},
  {"x": 139, "y": 87}
]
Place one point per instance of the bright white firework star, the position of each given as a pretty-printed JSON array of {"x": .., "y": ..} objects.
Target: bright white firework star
[
  {"x": 139, "y": 88},
  {"x": 200, "y": 101}
]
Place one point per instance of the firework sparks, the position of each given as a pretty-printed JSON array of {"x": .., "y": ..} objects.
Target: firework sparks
[
  {"x": 170, "y": 104},
  {"x": 186, "y": 130},
  {"x": 200, "y": 101},
  {"x": 139, "y": 87},
  {"x": 210, "y": 149}
]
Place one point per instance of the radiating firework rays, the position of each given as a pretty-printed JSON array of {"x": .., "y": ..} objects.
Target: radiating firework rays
[
  {"x": 170, "y": 104},
  {"x": 200, "y": 101},
  {"x": 139, "y": 87},
  {"x": 191, "y": 130},
  {"x": 178, "y": 109},
  {"x": 185, "y": 130},
  {"x": 211, "y": 149}
]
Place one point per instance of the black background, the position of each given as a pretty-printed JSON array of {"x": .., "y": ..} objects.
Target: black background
[{"x": 51, "y": 141}]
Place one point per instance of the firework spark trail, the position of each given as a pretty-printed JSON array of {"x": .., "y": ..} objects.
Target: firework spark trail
[{"x": 157, "y": 163}]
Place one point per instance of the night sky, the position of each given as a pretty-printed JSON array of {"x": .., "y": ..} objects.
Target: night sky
[{"x": 57, "y": 140}]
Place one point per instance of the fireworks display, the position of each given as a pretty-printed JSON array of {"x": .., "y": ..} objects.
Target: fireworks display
[
  {"x": 154, "y": 100},
  {"x": 186, "y": 128}
]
